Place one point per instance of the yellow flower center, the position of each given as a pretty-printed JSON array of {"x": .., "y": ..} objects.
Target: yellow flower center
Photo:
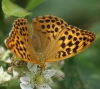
[{"x": 39, "y": 79}]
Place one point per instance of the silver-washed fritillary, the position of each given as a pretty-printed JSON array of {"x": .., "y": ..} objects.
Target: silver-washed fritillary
[{"x": 51, "y": 39}]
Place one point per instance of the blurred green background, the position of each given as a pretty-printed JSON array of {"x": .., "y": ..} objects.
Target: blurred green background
[{"x": 83, "y": 70}]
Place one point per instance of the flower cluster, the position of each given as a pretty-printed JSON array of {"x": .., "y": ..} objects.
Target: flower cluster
[
  {"x": 37, "y": 78},
  {"x": 34, "y": 77},
  {"x": 4, "y": 76},
  {"x": 4, "y": 55}
]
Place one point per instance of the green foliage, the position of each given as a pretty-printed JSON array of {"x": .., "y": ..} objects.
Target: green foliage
[
  {"x": 11, "y": 9},
  {"x": 33, "y": 3},
  {"x": 81, "y": 71}
]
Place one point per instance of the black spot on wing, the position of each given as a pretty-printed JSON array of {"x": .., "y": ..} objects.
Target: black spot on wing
[
  {"x": 42, "y": 26},
  {"x": 47, "y": 20},
  {"x": 48, "y": 26},
  {"x": 75, "y": 49},
  {"x": 62, "y": 38},
  {"x": 70, "y": 44},
  {"x": 63, "y": 45},
  {"x": 69, "y": 37}
]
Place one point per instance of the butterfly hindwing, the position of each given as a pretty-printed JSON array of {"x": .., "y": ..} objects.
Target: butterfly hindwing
[
  {"x": 70, "y": 41},
  {"x": 19, "y": 41}
]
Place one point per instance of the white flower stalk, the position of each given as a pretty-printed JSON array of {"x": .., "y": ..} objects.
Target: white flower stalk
[
  {"x": 37, "y": 78},
  {"x": 4, "y": 76}
]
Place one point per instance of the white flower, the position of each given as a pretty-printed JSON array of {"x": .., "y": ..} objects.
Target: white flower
[
  {"x": 4, "y": 76},
  {"x": 4, "y": 55},
  {"x": 37, "y": 78},
  {"x": 25, "y": 83},
  {"x": 57, "y": 66},
  {"x": 1, "y": 49}
]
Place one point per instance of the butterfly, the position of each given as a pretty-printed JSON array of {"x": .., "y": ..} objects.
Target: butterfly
[{"x": 50, "y": 40}]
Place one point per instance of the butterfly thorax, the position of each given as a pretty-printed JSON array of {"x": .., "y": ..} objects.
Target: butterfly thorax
[{"x": 41, "y": 60}]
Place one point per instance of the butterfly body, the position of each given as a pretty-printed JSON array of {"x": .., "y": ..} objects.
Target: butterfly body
[{"x": 51, "y": 39}]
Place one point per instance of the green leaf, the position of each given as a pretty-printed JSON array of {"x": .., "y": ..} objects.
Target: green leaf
[
  {"x": 33, "y": 3},
  {"x": 11, "y": 9},
  {"x": 81, "y": 74}
]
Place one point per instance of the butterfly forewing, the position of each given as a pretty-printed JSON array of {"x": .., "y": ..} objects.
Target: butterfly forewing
[
  {"x": 70, "y": 41},
  {"x": 19, "y": 41},
  {"x": 46, "y": 29}
]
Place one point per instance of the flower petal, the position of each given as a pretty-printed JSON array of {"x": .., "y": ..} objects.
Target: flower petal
[
  {"x": 1, "y": 49},
  {"x": 1, "y": 70},
  {"x": 1, "y": 80},
  {"x": 43, "y": 86},
  {"x": 6, "y": 76},
  {"x": 32, "y": 67},
  {"x": 25, "y": 80},
  {"x": 25, "y": 86},
  {"x": 49, "y": 73},
  {"x": 15, "y": 73}
]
